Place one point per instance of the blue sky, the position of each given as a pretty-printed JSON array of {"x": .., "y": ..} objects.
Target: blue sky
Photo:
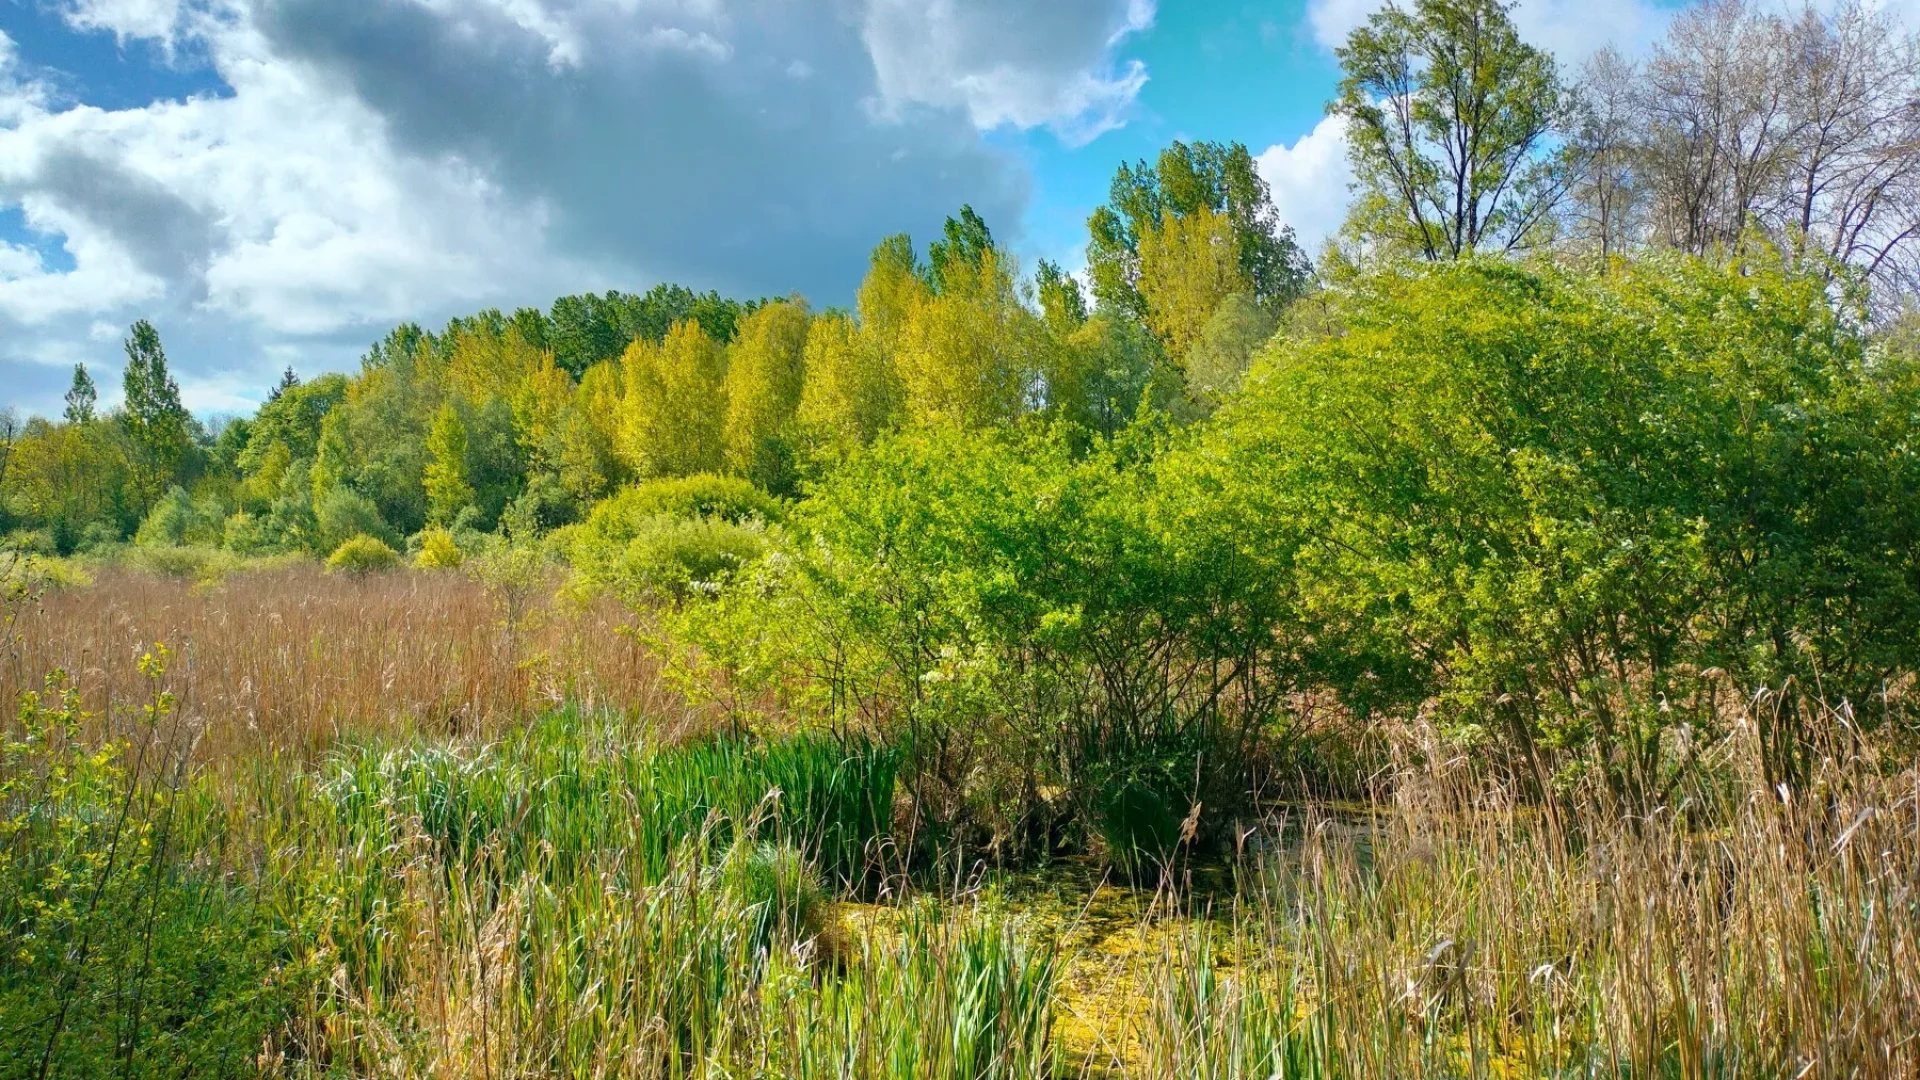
[{"x": 278, "y": 182}]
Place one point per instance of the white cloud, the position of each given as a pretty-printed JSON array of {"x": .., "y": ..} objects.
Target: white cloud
[
  {"x": 126, "y": 18},
  {"x": 1310, "y": 181},
  {"x": 1009, "y": 62}
]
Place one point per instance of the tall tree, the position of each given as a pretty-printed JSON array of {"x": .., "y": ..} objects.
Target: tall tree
[
  {"x": 1450, "y": 122},
  {"x": 1188, "y": 266},
  {"x": 1185, "y": 180},
  {"x": 766, "y": 370},
  {"x": 82, "y": 397},
  {"x": 675, "y": 403},
  {"x": 448, "y": 486},
  {"x": 157, "y": 424},
  {"x": 967, "y": 355},
  {"x": 1062, "y": 303},
  {"x": 852, "y": 391}
]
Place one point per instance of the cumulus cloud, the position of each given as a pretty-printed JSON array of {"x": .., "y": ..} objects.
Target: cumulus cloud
[
  {"x": 1009, "y": 61},
  {"x": 1310, "y": 181},
  {"x": 368, "y": 161}
]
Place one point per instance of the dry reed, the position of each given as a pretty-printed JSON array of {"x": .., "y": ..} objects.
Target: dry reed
[{"x": 291, "y": 658}]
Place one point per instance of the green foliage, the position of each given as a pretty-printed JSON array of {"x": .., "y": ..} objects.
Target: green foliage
[
  {"x": 447, "y": 488},
  {"x": 1016, "y": 617},
  {"x": 292, "y": 421},
  {"x": 1217, "y": 363},
  {"x": 1185, "y": 180},
  {"x": 666, "y": 539},
  {"x": 766, "y": 368},
  {"x": 672, "y": 558},
  {"x": 772, "y": 885},
  {"x": 342, "y": 514},
  {"x": 439, "y": 550},
  {"x": 361, "y": 555},
  {"x": 159, "y": 431},
  {"x": 1569, "y": 506},
  {"x": 179, "y": 518},
  {"x": 128, "y": 950},
  {"x": 1449, "y": 115},
  {"x": 675, "y": 403},
  {"x": 81, "y": 397}
]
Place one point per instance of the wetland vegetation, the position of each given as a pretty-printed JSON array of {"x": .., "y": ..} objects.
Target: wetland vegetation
[{"x": 1488, "y": 652}]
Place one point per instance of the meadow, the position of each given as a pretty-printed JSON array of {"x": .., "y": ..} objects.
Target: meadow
[{"x": 352, "y": 826}]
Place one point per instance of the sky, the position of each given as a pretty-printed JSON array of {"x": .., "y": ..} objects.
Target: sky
[{"x": 277, "y": 183}]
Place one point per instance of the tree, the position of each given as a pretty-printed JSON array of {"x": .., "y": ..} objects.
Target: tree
[
  {"x": 1450, "y": 117},
  {"x": 766, "y": 371},
  {"x": 449, "y": 491},
  {"x": 675, "y": 403},
  {"x": 1217, "y": 363},
  {"x": 1802, "y": 129},
  {"x": 82, "y": 397},
  {"x": 953, "y": 261},
  {"x": 894, "y": 286},
  {"x": 1188, "y": 265},
  {"x": 157, "y": 425},
  {"x": 1062, "y": 303},
  {"x": 288, "y": 380},
  {"x": 852, "y": 391},
  {"x": 966, "y": 355},
  {"x": 1606, "y": 199},
  {"x": 1185, "y": 180}
]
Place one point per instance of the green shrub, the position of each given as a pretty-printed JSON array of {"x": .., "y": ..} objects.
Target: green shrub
[
  {"x": 438, "y": 550},
  {"x": 129, "y": 950},
  {"x": 673, "y": 558},
  {"x": 29, "y": 542},
  {"x": 247, "y": 534},
  {"x": 342, "y": 514},
  {"x": 179, "y": 518},
  {"x": 1576, "y": 511},
  {"x": 362, "y": 555},
  {"x": 1012, "y": 613},
  {"x": 186, "y": 563}
]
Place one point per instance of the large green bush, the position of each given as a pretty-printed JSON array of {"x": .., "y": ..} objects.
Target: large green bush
[
  {"x": 1576, "y": 511},
  {"x": 1024, "y": 620},
  {"x": 666, "y": 539}
]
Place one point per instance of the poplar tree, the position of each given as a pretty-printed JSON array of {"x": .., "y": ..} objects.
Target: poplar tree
[
  {"x": 157, "y": 425},
  {"x": 449, "y": 488},
  {"x": 82, "y": 397},
  {"x": 766, "y": 371}
]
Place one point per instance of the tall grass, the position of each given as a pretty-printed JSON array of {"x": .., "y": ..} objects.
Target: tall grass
[
  {"x": 1739, "y": 933},
  {"x": 292, "y": 658}
]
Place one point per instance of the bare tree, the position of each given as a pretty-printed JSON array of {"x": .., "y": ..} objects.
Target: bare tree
[
  {"x": 1805, "y": 129},
  {"x": 1606, "y": 204},
  {"x": 1851, "y": 193},
  {"x": 1718, "y": 125}
]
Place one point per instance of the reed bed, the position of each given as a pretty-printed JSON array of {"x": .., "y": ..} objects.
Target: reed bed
[
  {"x": 291, "y": 658},
  {"x": 370, "y": 888},
  {"x": 1742, "y": 932}
]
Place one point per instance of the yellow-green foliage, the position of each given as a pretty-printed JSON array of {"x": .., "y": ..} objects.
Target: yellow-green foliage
[
  {"x": 675, "y": 403},
  {"x": 766, "y": 365},
  {"x": 362, "y": 554},
  {"x": 438, "y": 550},
  {"x": 664, "y": 538}
]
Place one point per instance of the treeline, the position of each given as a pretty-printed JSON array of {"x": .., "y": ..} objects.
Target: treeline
[{"x": 547, "y": 413}]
